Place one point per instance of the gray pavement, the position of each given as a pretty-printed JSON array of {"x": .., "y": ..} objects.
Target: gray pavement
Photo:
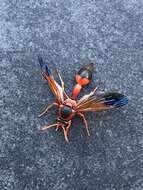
[{"x": 69, "y": 34}]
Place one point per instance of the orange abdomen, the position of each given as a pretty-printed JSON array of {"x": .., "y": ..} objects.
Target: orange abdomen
[{"x": 83, "y": 77}]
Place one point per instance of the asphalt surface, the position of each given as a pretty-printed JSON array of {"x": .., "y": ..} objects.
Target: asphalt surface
[{"x": 69, "y": 34}]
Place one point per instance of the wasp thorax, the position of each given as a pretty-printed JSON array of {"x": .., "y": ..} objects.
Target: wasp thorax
[{"x": 69, "y": 102}]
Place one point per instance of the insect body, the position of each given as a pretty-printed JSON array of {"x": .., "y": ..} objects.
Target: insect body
[{"x": 68, "y": 107}]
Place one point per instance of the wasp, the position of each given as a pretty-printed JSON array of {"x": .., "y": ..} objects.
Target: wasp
[{"x": 69, "y": 106}]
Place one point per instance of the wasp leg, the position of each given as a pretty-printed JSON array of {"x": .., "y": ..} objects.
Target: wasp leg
[
  {"x": 85, "y": 122},
  {"x": 47, "y": 108},
  {"x": 62, "y": 83},
  {"x": 65, "y": 134},
  {"x": 93, "y": 91},
  {"x": 66, "y": 94},
  {"x": 58, "y": 125},
  {"x": 61, "y": 80},
  {"x": 47, "y": 127},
  {"x": 85, "y": 97},
  {"x": 66, "y": 131}
]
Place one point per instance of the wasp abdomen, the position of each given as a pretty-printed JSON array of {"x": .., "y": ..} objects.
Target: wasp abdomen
[{"x": 83, "y": 77}]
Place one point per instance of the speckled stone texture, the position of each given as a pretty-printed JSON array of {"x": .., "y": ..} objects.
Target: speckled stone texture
[{"x": 70, "y": 33}]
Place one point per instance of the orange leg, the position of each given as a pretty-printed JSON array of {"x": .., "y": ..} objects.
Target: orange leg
[
  {"x": 85, "y": 97},
  {"x": 62, "y": 84},
  {"x": 85, "y": 122},
  {"x": 58, "y": 125},
  {"x": 47, "y": 108},
  {"x": 47, "y": 127},
  {"x": 66, "y": 131}
]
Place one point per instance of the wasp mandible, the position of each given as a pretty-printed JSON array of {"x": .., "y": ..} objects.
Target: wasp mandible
[{"x": 69, "y": 106}]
